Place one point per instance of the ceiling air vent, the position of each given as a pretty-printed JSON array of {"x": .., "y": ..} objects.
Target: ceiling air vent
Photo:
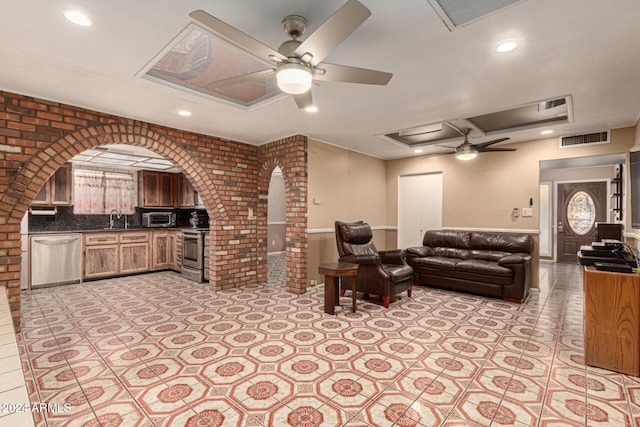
[{"x": 586, "y": 139}]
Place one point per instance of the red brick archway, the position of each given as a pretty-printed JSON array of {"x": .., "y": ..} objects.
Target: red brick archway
[
  {"x": 290, "y": 156},
  {"x": 37, "y": 137}
]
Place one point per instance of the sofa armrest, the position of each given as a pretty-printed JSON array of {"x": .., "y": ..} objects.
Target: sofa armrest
[
  {"x": 362, "y": 259},
  {"x": 419, "y": 251},
  {"x": 513, "y": 259},
  {"x": 394, "y": 256}
]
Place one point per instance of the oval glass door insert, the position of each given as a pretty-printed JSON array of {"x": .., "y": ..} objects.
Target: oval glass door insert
[{"x": 581, "y": 213}]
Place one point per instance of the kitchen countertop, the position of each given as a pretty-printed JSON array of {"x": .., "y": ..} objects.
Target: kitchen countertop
[{"x": 115, "y": 230}]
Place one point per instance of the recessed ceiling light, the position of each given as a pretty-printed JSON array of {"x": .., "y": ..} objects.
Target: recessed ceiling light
[
  {"x": 418, "y": 150},
  {"x": 77, "y": 17},
  {"x": 546, "y": 132},
  {"x": 184, "y": 113},
  {"x": 311, "y": 109},
  {"x": 507, "y": 46}
]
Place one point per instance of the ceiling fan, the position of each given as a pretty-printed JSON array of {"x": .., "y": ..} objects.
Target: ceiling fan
[
  {"x": 469, "y": 151},
  {"x": 297, "y": 63}
]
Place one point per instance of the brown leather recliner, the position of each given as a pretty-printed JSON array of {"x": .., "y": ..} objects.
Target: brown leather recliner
[{"x": 383, "y": 273}]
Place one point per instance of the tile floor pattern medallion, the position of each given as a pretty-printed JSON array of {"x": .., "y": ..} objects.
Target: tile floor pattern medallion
[{"x": 159, "y": 350}]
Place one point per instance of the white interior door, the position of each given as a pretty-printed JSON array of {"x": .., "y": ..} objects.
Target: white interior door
[{"x": 419, "y": 207}]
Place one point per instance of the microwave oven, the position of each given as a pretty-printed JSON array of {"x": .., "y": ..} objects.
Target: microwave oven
[{"x": 158, "y": 219}]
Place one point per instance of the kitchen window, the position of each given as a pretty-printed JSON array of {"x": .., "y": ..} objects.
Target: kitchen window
[{"x": 100, "y": 192}]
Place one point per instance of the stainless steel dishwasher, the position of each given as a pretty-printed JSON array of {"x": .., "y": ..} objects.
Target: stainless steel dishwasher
[{"x": 55, "y": 259}]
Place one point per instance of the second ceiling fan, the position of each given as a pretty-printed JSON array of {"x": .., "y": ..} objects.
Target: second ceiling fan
[
  {"x": 297, "y": 63},
  {"x": 469, "y": 151}
]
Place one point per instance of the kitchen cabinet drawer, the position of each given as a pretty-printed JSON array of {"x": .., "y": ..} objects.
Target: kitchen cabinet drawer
[
  {"x": 100, "y": 238},
  {"x": 134, "y": 237},
  {"x": 101, "y": 261}
]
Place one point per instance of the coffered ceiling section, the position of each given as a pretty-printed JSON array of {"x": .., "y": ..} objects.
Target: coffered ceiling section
[
  {"x": 537, "y": 114},
  {"x": 199, "y": 62},
  {"x": 456, "y": 13}
]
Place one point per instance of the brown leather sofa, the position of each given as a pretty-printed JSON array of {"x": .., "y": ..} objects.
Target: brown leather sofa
[
  {"x": 383, "y": 273},
  {"x": 492, "y": 264}
]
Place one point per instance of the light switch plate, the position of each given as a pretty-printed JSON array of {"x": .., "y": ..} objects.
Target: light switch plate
[{"x": 527, "y": 212}]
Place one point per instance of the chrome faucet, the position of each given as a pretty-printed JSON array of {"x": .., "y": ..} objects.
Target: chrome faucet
[{"x": 111, "y": 217}]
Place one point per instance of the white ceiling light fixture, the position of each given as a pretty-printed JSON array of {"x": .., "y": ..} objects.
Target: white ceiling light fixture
[
  {"x": 546, "y": 132},
  {"x": 293, "y": 78},
  {"x": 77, "y": 17},
  {"x": 418, "y": 150},
  {"x": 184, "y": 113},
  {"x": 466, "y": 152},
  {"x": 311, "y": 109},
  {"x": 507, "y": 46}
]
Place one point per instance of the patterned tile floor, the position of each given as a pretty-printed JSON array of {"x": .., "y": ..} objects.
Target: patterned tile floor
[{"x": 158, "y": 350}]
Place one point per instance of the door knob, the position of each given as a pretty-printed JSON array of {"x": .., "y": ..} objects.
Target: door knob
[{"x": 560, "y": 228}]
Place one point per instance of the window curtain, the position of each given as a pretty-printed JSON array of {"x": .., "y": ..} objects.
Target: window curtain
[{"x": 98, "y": 192}]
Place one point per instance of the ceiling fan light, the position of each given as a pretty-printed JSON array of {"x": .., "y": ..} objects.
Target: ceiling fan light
[
  {"x": 293, "y": 78},
  {"x": 466, "y": 152}
]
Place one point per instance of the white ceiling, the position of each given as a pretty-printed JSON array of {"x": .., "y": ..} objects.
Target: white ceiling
[{"x": 589, "y": 49}]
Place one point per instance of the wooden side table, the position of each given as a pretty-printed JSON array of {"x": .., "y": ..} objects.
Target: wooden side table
[{"x": 332, "y": 272}]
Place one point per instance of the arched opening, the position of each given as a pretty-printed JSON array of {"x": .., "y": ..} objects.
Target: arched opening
[
  {"x": 276, "y": 229},
  {"x": 115, "y": 188}
]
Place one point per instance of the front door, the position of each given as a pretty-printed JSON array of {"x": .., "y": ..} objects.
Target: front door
[{"x": 580, "y": 206}]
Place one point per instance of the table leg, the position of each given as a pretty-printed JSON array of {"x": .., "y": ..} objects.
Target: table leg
[
  {"x": 353, "y": 294},
  {"x": 330, "y": 294}
]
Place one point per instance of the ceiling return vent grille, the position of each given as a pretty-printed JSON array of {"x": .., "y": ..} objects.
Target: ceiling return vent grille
[{"x": 586, "y": 139}]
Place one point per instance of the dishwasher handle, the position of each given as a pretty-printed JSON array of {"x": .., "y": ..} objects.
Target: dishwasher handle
[{"x": 52, "y": 242}]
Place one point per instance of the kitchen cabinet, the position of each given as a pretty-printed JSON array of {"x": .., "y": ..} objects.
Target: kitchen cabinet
[
  {"x": 612, "y": 320},
  {"x": 160, "y": 250},
  {"x": 134, "y": 252},
  {"x": 57, "y": 190},
  {"x": 175, "y": 250},
  {"x": 187, "y": 197},
  {"x": 158, "y": 189},
  {"x": 101, "y": 255}
]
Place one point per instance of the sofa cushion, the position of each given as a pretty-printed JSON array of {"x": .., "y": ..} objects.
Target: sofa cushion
[
  {"x": 435, "y": 262},
  {"x": 397, "y": 273},
  {"x": 447, "y": 238},
  {"x": 483, "y": 267},
  {"x": 503, "y": 242},
  {"x": 452, "y": 252},
  {"x": 487, "y": 255}
]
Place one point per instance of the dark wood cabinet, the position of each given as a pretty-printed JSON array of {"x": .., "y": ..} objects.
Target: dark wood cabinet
[
  {"x": 57, "y": 190},
  {"x": 187, "y": 197},
  {"x": 158, "y": 189}
]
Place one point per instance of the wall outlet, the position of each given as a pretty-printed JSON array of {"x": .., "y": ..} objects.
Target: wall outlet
[{"x": 527, "y": 212}]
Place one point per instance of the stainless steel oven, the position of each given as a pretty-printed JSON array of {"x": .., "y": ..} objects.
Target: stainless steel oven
[{"x": 193, "y": 254}]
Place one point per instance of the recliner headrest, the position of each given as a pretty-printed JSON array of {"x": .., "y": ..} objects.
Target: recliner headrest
[{"x": 357, "y": 233}]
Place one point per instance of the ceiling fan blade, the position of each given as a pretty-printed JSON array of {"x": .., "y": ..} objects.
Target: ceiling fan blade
[
  {"x": 488, "y": 143},
  {"x": 333, "y": 31},
  {"x": 304, "y": 100},
  {"x": 487, "y": 150},
  {"x": 249, "y": 77},
  {"x": 234, "y": 36},
  {"x": 347, "y": 74}
]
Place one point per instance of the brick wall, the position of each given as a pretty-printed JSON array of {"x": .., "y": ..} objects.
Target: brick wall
[
  {"x": 37, "y": 137},
  {"x": 290, "y": 154}
]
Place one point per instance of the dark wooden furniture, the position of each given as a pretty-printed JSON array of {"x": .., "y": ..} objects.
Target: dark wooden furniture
[
  {"x": 612, "y": 320},
  {"x": 332, "y": 272}
]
